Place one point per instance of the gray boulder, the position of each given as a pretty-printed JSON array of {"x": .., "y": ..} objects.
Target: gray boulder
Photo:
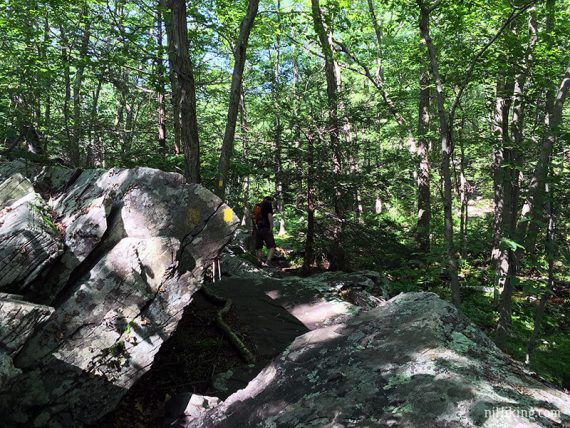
[
  {"x": 415, "y": 361},
  {"x": 136, "y": 245}
]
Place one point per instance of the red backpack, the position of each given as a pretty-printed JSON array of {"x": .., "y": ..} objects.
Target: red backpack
[{"x": 256, "y": 214}]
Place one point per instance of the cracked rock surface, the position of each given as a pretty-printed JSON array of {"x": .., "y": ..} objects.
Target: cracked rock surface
[
  {"x": 129, "y": 249},
  {"x": 414, "y": 361},
  {"x": 30, "y": 241}
]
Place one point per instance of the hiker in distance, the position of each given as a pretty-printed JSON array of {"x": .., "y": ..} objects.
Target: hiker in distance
[{"x": 263, "y": 228}]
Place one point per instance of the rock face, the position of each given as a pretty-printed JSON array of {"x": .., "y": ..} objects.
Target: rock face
[
  {"x": 18, "y": 319},
  {"x": 129, "y": 249},
  {"x": 414, "y": 361},
  {"x": 30, "y": 241}
]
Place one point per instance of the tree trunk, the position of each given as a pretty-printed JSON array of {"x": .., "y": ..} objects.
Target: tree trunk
[
  {"x": 352, "y": 146},
  {"x": 235, "y": 91},
  {"x": 550, "y": 255},
  {"x": 172, "y": 75},
  {"x": 65, "y": 55},
  {"x": 446, "y": 148},
  {"x": 186, "y": 98},
  {"x": 47, "y": 108},
  {"x": 464, "y": 192},
  {"x": 276, "y": 93},
  {"x": 91, "y": 157},
  {"x": 504, "y": 253},
  {"x": 160, "y": 89},
  {"x": 332, "y": 71},
  {"x": 309, "y": 255},
  {"x": 244, "y": 129},
  {"x": 423, "y": 180},
  {"x": 296, "y": 161},
  {"x": 533, "y": 209},
  {"x": 75, "y": 148},
  {"x": 501, "y": 180}
]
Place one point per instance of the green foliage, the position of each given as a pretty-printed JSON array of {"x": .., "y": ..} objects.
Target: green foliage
[{"x": 510, "y": 244}]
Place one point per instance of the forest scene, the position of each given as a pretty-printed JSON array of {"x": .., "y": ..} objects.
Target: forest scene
[{"x": 239, "y": 213}]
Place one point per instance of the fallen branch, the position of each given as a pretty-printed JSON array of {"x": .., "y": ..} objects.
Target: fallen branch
[{"x": 245, "y": 353}]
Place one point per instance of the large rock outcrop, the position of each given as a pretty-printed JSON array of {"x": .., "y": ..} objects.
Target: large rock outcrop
[
  {"x": 129, "y": 249},
  {"x": 414, "y": 361}
]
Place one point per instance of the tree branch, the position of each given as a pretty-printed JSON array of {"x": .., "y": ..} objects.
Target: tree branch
[{"x": 515, "y": 13}]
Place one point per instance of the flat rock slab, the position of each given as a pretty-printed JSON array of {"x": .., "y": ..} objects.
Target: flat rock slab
[{"x": 415, "y": 361}]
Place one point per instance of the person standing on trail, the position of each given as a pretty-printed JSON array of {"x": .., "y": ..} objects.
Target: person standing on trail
[{"x": 263, "y": 228}]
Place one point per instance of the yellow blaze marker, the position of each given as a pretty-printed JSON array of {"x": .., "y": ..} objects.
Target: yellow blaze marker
[{"x": 228, "y": 215}]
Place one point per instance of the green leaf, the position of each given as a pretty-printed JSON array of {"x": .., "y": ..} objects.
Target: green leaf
[{"x": 510, "y": 244}]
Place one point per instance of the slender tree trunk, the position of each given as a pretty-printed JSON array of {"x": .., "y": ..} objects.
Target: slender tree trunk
[
  {"x": 309, "y": 256},
  {"x": 121, "y": 86},
  {"x": 550, "y": 255},
  {"x": 244, "y": 129},
  {"x": 186, "y": 99},
  {"x": 235, "y": 91},
  {"x": 172, "y": 75},
  {"x": 518, "y": 118},
  {"x": 446, "y": 148},
  {"x": 503, "y": 253},
  {"x": 65, "y": 54},
  {"x": 160, "y": 89},
  {"x": 351, "y": 144},
  {"x": 497, "y": 129},
  {"x": 276, "y": 94},
  {"x": 378, "y": 80},
  {"x": 464, "y": 191},
  {"x": 47, "y": 108},
  {"x": 332, "y": 71},
  {"x": 296, "y": 117},
  {"x": 533, "y": 209},
  {"x": 91, "y": 157},
  {"x": 501, "y": 182},
  {"x": 119, "y": 124},
  {"x": 75, "y": 148},
  {"x": 129, "y": 127},
  {"x": 423, "y": 179}
]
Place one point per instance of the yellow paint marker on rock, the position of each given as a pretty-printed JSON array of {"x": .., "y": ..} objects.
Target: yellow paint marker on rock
[{"x": 228, "y": 215}]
